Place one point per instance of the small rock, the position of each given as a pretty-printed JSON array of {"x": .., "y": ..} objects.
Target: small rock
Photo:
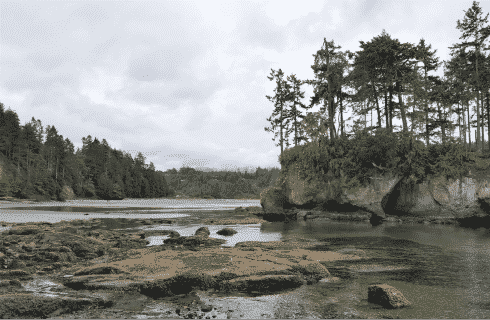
[
  {"x": 202, "y": 231},
  {"x": 387, "y": 296},
  {"x": 227, "y": 232}
]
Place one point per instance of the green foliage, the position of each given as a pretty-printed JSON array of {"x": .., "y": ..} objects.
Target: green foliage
[
  {"x": 220, "y": 184},
  {"x": 348, "y": 163},
  {"x": 5, "y": 188}
]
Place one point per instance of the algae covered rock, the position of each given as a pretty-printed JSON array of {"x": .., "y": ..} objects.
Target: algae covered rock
[
  {"x": 387, "y": 296},
  {"x": 203, "y": 232},
  {"x": 194, "y": 241},
  {"x": 227, "y": 232},
  {"x": 273, "y": 200},
  {"x": 27, "y": 306}
]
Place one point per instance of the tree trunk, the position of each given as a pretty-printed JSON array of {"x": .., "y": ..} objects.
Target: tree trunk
[
  {"x": 387, "y": 112},
  {"x": 281, "y": 127},
  {"x": 482, "y": 122},
  {"x": 459, "y": 125},
  {"x": 469, "y": 124},
  {"x": 488, "y": 118},
  {"x": 478, "y": 119},
  {"x": 390, "y": 104},
  {"x": 341, "y": 117},
  {"x": 426, "y": 105},
  {"x": 478, "y": 122},
  {"x": 443, "y": 125},
  {"x": 295, "y": 127},
  {"x": 402, "y": 108},
  {"x": 331, "y": 115},
  {"x": 378, "y": 110}
]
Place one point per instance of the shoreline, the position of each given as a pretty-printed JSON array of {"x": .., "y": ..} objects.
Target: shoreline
[{"x": 81, "y": 260}]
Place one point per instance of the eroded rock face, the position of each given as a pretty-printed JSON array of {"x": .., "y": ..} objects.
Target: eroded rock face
[
  {"x": 387, "y": 296},
  {"x": 440, "y": 198},
  {"x": 435, "y": 198}
]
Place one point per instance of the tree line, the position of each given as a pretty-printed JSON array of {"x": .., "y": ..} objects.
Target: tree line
[
  {"x": 37, "y": 162},
  {"x": 393, "y": 80},
  {"x": 220, "y": 184}
]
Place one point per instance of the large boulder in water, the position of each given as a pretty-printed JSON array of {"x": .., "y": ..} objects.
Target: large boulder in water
[{"x": 387, "y": 296}]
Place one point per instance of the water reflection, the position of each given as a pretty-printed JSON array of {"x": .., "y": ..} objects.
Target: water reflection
[
  {"x": 250, "y": 232},
  {"x": 445, "y": 268}
]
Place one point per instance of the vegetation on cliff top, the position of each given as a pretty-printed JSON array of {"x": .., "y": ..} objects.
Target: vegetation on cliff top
[{"x": 351, "y": 162}]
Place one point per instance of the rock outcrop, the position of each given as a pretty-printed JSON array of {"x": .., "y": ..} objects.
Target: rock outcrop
[{"x": 387, "y": 195}]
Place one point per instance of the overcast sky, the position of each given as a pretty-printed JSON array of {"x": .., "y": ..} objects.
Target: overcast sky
[{"x": 185, "y": 82}]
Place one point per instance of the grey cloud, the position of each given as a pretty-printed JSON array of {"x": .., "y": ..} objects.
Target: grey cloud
[
  {"x": 259, "y": 30},
  {"x": 194, "y": 91},
  {"x": 92, "y": 13},
  {"x": 165, "y": 64}
]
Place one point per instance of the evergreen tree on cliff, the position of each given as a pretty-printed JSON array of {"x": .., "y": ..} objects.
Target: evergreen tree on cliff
[
  {"x": 294, "y": 96},
  {"x": 326, "y": 82},
  {"x": 279, "y": 119},
  {"x": 474, "y": 27}
]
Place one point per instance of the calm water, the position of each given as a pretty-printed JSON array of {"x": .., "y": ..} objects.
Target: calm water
[
  {"x": 128, "y": 208},
  {"x": 443, "y": 270}
]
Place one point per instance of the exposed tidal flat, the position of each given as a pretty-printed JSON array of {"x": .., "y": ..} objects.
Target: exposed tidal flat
[{"x": 150, "y": 266}]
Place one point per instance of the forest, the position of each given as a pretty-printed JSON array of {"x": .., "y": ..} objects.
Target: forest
[
  {"x": 384, "y": 83},
  {"x": 222, "y": 184},
  {"x": 38, "y": 163}
]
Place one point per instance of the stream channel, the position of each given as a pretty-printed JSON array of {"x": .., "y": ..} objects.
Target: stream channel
[{"x": 442, "y": 270}]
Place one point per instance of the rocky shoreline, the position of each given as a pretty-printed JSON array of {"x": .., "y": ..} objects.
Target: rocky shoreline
[{"x": 82, "y": 269}]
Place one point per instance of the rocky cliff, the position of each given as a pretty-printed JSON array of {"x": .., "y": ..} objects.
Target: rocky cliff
[{"x": 385, "y": 195}]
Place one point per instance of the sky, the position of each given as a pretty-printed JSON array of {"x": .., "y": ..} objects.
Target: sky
[{"x": 183, "y": 82}]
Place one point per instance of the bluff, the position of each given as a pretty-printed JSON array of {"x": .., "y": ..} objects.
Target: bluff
[{"x": 383, "y": 196}]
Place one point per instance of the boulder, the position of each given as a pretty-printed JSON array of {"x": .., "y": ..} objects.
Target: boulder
[
  {"x": 226, "y": 232},
  {"x": 272, "y": 201},
  {"x": 387, "y": 296},
  {"x": 203, "y": 232}
]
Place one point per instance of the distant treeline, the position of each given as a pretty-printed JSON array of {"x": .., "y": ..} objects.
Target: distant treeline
[
  {"x": 37, "y": 162},
  {"x": 220, "y": 184}
]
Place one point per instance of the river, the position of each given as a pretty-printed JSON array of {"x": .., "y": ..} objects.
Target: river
[{"x": 442, "y": 270}]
